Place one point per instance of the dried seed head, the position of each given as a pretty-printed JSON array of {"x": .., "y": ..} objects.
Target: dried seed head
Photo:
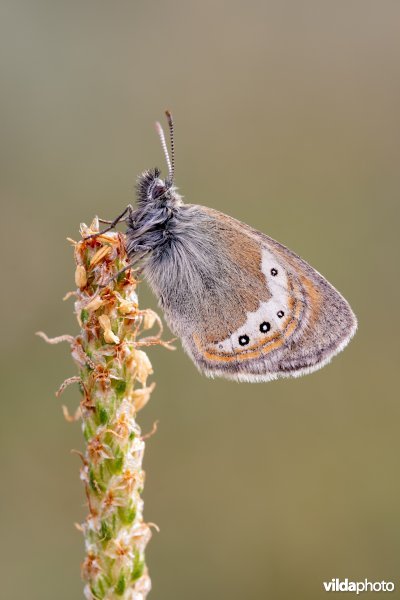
[
  {"x": 100, "y": 254},
  {"x": 126, "y": 307},
  {"x": 85, "y": 231},
  {"x": 149, "y": 319},
  {"x": 143, "y": 365},
  {"x": 109, "y": 238},
  {"x": 80, "y": 276},
  {"x": 105, "y": 322},
  {"x": 94, "y": 304},
  {"x": 141, "y": 396},
  {"x": 109, "y": 335},
  {"x": 111, "y": 366},
  {"x": 94, "y": 225}
]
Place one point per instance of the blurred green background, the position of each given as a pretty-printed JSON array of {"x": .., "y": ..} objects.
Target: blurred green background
[{"x": 287, "y": 117}]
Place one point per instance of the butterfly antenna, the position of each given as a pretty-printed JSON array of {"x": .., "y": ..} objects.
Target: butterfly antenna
[
  {"x": 161, "y": 135},
  {"x": 171, "y": 139}
]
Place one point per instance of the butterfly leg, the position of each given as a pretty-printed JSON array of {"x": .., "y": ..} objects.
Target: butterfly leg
[
  {"x": 129, "y": 266},
  {"x": 112, "y": 224}
]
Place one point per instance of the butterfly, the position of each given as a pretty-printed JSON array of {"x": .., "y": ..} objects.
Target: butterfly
[{"x": 244, "y": 306}]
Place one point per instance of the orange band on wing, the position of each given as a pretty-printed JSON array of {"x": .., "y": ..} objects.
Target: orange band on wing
[
  {"x": 267, "y": 344},
  {"x": 314, "y": 295}
]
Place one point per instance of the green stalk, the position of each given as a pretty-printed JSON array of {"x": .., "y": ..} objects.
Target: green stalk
[{"x": 113, "y": 372}]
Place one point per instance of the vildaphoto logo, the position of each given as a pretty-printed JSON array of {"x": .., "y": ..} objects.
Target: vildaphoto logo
[{"x": 344, "y": 585}]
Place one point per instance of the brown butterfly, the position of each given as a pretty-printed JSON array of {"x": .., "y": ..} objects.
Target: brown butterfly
[{"x": 245, "y": 306}]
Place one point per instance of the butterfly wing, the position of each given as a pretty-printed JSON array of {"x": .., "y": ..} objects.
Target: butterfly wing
[{"x": 246, "y": 307}]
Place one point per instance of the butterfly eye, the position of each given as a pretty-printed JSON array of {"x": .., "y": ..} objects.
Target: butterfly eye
[
  {"x": 274, "y": 272},
  {"x": 264, "y": 327},
  {"x": 244, "y": 340},
  {"x": 158, "y": 190},
  {"x": 280, "y": 314}
]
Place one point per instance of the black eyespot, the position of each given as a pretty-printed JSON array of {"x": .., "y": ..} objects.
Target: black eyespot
[
  {"x": 244, "y": 340},
  {"x": 265, "y": 326},
  {"x": 280, "y": 313},
  {"x": 274, "y": 272}
]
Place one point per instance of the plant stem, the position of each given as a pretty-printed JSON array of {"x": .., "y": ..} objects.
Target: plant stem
[{"x": 113, "y": 374}]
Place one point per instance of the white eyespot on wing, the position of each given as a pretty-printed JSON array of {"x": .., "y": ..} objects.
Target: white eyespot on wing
[{"x": 270, "y": 316}]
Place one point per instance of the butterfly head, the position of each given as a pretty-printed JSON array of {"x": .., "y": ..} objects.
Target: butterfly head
[
  {"x": 152, "y": 224},
  {"x": 152, "y": 189}
]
